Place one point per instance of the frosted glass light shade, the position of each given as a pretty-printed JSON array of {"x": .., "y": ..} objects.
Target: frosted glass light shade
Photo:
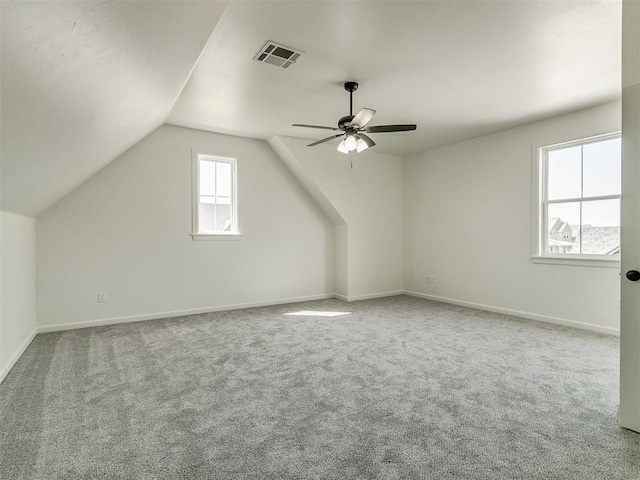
[
  {"x": 342, "y": 148},
  {"x": 350, "y": 143},
  {"x": 361, "y": 145}
]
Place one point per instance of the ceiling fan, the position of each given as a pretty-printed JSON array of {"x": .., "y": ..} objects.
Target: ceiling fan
[{"x": 354, "y": 128}]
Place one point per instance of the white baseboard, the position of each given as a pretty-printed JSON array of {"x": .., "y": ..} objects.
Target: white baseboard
[
  {"x": 176, "y": 313},
  {"x": 518, "y": 313},
  {"x": 5, "y": 371},
  {"x": 369, "y": 296},
  {"x": 238, "y": 306}
]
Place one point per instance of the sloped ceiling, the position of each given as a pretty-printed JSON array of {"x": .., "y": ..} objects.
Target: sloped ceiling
[{"x": 83, "y": 81}]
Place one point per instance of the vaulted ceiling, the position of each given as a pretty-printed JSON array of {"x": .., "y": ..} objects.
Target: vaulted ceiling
[{"x": 83, "y": 81}]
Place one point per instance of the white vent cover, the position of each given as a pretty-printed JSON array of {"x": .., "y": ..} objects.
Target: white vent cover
[{"x": 277, "y": 55}]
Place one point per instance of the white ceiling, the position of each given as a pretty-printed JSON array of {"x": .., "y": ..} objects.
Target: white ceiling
[
  {"x": 459, "y": 69},
  {"x": 83, "y": 81}
]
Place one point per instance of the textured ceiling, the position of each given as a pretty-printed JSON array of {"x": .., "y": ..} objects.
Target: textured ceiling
[
  {"x": 459, "y": 69},
  {"x": 84, "y": 81}
]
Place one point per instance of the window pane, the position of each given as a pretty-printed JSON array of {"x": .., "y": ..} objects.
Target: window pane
[
  {"x": 223, "y": 218},
  {"x": 601, "y": 168},
  {"x": 563, "y": 170},
  {"x": 207, "y": 177},
  {"x": 223, "y": 178},
  {"x": 601, "y": 227},
  {"x": 207, "y": 217},
  {"x": 601, "y": 213},
  {"x": 568, "y": 212},
  {"x": 563, "y": 228}
]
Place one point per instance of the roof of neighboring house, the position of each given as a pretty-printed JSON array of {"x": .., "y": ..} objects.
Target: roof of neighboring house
[
  {"x": 600, "y": 240},
  {"x": 556, "y": 224},
  {"x": 595, "y": 240},
  {"x": 575, "y": 231}
]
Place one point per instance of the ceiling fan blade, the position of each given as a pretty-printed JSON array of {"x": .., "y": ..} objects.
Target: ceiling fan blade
[
  {"x": 363, "y": 117},
  {"x": 389, "y": 128},
  {"x": 367, "y": 139},
  {"x": 324, "y": 140},
  {"x": 313, "y": 126},
  {"x": 364, "y": 142}
]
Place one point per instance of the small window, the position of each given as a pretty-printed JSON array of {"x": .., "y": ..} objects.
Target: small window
[
  {"x": 214, "y": 198},
  {"x": 579, "y": 194}
]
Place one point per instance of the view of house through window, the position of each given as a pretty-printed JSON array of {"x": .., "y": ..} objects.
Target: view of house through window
[
  {"x": 216, "y": 204},
  {"x": 581, "y": 197}
]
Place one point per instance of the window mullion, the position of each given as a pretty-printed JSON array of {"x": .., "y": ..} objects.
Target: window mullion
[
  {"x": 545, "y": 186},
  {"x": 215, "y": 196},
  {"x": 584, "y": 199}
]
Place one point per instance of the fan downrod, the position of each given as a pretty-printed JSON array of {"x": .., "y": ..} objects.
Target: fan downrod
[{"x": 349, "y": 87}]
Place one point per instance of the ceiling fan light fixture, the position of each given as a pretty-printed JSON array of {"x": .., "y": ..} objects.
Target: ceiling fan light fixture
[
  {"x": 350, "y": 143},
  {"x": 361, "y": 145},
  {"x": 342, "y": 148},
  {"x": 355, "y": 128}
]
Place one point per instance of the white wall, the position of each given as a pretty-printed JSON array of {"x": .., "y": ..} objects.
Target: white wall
[
  {"x": 126, "y": 232},
  {"x": 461, "y": 213},
  {"x": 18, "y": 296},
  {"x": 369, "y": 199},
  {"x": 467, "y": 222}
]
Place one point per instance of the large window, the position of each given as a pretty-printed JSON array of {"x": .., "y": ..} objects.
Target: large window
[
  {"x": 215, "y": 205},
  {"x": 579, "y": 199}
]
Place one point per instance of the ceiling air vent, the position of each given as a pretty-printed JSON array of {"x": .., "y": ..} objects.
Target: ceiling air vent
[{"x": 277, "y": 55}]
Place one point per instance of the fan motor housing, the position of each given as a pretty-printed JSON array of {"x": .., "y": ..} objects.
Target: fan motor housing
[{"x": 345, "y": 122}]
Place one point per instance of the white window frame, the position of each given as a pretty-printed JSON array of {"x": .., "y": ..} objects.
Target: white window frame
[
  {"x": 196, "y": 234},
  {"x": 539, "y": 206}
]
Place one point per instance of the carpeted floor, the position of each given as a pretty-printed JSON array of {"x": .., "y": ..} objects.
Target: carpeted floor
[{"x": 400, "y": 388}]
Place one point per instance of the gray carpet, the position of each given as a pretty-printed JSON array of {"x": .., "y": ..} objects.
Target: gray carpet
[{"x": 401, "y": 388}]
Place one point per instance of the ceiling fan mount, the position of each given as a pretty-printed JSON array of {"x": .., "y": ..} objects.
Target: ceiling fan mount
[
  {"x": 354, "y": 129},
  {"x": 350, "y": 86}
]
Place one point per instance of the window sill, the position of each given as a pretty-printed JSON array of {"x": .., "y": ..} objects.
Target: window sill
[
  {"x": 583, "y": 261},
  {"x": 215, "y": 236}
]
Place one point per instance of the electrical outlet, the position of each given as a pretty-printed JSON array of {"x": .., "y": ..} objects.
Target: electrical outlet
[
  {"x": 102, "y": 297},
  {"x": 431, "y": 279}
]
